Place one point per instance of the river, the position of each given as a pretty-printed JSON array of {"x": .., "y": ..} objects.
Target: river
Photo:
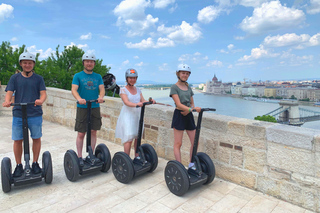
[{"x": 226, "y": 105}]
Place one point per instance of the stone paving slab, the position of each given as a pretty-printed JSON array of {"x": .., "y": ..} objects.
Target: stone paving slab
[{"x": 101, "y": 192}]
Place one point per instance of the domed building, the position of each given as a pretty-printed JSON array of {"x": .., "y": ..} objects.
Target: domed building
[{"x": 217, "y": 87}]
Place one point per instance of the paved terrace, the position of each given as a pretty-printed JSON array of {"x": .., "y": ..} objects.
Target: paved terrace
[{"x": 101, "y": 192}]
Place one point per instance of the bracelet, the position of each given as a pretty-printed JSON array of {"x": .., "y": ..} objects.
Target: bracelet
[{"x": 189, "y": 109}]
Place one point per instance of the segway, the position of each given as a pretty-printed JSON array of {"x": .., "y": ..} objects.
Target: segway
[
  {"x": 124, "y": 168},
  {"x": 100, "y": 161},
  {"x": 178, "y": 179},
  {"x": 28, "y": 176}
]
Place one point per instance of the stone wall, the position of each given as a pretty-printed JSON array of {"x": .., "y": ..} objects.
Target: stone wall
[{"x": 279, "y": 160}]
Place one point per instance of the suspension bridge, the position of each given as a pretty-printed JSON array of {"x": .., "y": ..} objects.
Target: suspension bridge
[{"x": 290, "y": 113}]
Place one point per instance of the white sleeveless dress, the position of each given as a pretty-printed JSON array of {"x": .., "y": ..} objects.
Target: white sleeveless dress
[{"x": 128, "y": 120}]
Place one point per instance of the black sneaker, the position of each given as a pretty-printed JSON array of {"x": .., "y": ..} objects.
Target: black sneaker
[
  {"x": 36, "y": 168},
  {"x": 81, "y": 162},
  {"x": 18, "y": 171}
]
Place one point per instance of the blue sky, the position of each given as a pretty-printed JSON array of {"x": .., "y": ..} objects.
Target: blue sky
[{"x": 234, "y": 39}]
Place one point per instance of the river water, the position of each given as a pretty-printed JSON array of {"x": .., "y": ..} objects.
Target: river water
[{"x": 225, "y": 105}]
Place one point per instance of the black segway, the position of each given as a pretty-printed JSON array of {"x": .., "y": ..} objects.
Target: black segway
[
  {"x": 28, "y": 176},
  {"x": 124, "y": 168},
  {"x": 179, "y": 180},
  {"x": 100, "y": 161}
]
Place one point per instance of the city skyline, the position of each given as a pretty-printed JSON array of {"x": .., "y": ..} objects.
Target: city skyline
[{"x": 234, "y": 39}]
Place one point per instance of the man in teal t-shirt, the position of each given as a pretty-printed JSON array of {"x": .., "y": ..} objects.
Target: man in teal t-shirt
[{"x": 87, "y": 85}]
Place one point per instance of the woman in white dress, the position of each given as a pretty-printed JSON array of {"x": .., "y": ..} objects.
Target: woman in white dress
[{"x": 128, "y": 120}]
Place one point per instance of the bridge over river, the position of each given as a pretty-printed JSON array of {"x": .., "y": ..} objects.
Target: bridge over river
[{"x": 290, "y": 113}]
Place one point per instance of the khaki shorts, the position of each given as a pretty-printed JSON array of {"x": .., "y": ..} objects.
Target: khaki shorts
[{"x": 81, "y": 119}]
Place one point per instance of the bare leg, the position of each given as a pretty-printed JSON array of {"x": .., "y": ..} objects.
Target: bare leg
[
  {"x": 127, "y": 147},
  {"x": 177, "y": 143},
  {"x": 79, "y": 143},
  {"x": 191, "y": 135},
  {"x": 17, "y": 150},
  {"x": 93, "y": 139},
  {"x": 36, "y": 147}
]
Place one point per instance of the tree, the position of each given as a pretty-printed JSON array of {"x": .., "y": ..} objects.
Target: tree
[
  {"x": 58, "y": 70},
  {"x": 9, "y": 61},
  {"x": 267, "y": 118}
]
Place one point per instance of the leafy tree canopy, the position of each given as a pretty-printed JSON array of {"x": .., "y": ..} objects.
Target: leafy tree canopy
[{"x": 57, "y": 70}]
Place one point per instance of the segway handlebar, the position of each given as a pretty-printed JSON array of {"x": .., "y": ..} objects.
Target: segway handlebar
[
  {"x": 91, "y": 101},
  {"x": 145, "y": 103},
  {"x": 205, "y": 109},
  {"x": 21, "y": 104}
]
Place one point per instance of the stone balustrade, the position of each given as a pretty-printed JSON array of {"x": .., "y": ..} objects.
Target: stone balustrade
[{"x": 279, "y": 160}]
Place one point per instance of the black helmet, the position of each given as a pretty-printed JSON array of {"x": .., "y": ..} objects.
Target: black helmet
[{"x": 109, "y": 81}]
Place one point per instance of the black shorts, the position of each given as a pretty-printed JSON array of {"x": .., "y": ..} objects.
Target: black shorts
[
  {"x": 181, "y": 122},
  {"x": 81, "y": 119}
]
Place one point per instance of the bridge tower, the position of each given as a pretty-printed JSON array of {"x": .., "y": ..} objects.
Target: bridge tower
[{"x": 291, "y": 115}]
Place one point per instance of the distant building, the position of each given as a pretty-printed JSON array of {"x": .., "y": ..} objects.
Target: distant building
[{"x": 217, "y": 87}]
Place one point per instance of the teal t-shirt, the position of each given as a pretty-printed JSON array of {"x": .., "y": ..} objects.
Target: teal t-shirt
[
  {"x": 88, "y": 87},
  {"x": 184, "y": 95}
]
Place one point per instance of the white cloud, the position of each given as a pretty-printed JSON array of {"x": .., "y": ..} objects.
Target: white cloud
[
  {"x": 194, "y": 58},
  {"x": 208, "y": 14},
  {"x": 125, "y": 62},
  {"x": 272, "y": 16},
  {"x": 185, "y": 33},
  {"x": 149, "y": 43},
  {"x": 230, "y": 46},
  {"x": 86, "y": 37},
  {"x": 132, "y": 18},
  {"x": 81, "y": 46},
  {"x": 294, "y": 60},
  {"x": 239, "y": 38},
  {"x": 314, "y": 7},
  {"x": 162, "y": 3},
  {"x": 136, "y": 57},
  {"x": 292, "y": 39},
  {"x": 251, "y": 3},
  {"x": 6, "y": 11},
  {"x": 104, "y": 36},
  {"x": 14, "y": 39},
  {"x": 43, "y": 54},
  {"x": 139, "y": 64},
  {"x": 163, "y": 67},
  {"x": 14, "y": 47},
  {"x": 257, "y": 53},
  {"x": 214, "y": 63}
]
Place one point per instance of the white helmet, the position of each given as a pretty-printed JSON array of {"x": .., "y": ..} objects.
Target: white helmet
[
  {"x": 183, "y": 67},
  {"x": 88, "y": 56},
  {"x": 27, "y": 56},
  {"x": 131, "y": 73}
]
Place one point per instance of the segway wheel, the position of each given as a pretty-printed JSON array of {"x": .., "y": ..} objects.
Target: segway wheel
[
  {"x": 71, "y": 165},
  {"x": 47, "y": 167},
  {"x": 207, "y": 166},
  {"x": 102, "y": 152},
  {"x": 176, "y": 177},
  {"x": 151, "y": 156},
  {"x": 6, "y": 174},
  {"x": 122, "y": 167}
]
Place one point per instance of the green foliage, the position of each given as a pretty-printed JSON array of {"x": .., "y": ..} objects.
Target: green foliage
[
  {"x": 110, "y": 93},
  {"x": 267, "y": 118},
  {"x": 292, "y": 97},
  {"x": 305, "y": 99},
  {"x": 57, "y": 70},
  {"x": 9, "y": 61}
]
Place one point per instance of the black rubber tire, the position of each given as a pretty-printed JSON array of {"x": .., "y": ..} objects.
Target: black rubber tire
[
  {"x": 207, "y": 166},
  {"x": 102, "y": 152},
  {"x": 6, "y": 174},
  {"x": 122, "y": 167},
  {"x": 151, "y": 156},
  {"x": 71, "y": 165},
  {"x": 176, "y": 177},
  {"x": 47, "y": 167}
]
